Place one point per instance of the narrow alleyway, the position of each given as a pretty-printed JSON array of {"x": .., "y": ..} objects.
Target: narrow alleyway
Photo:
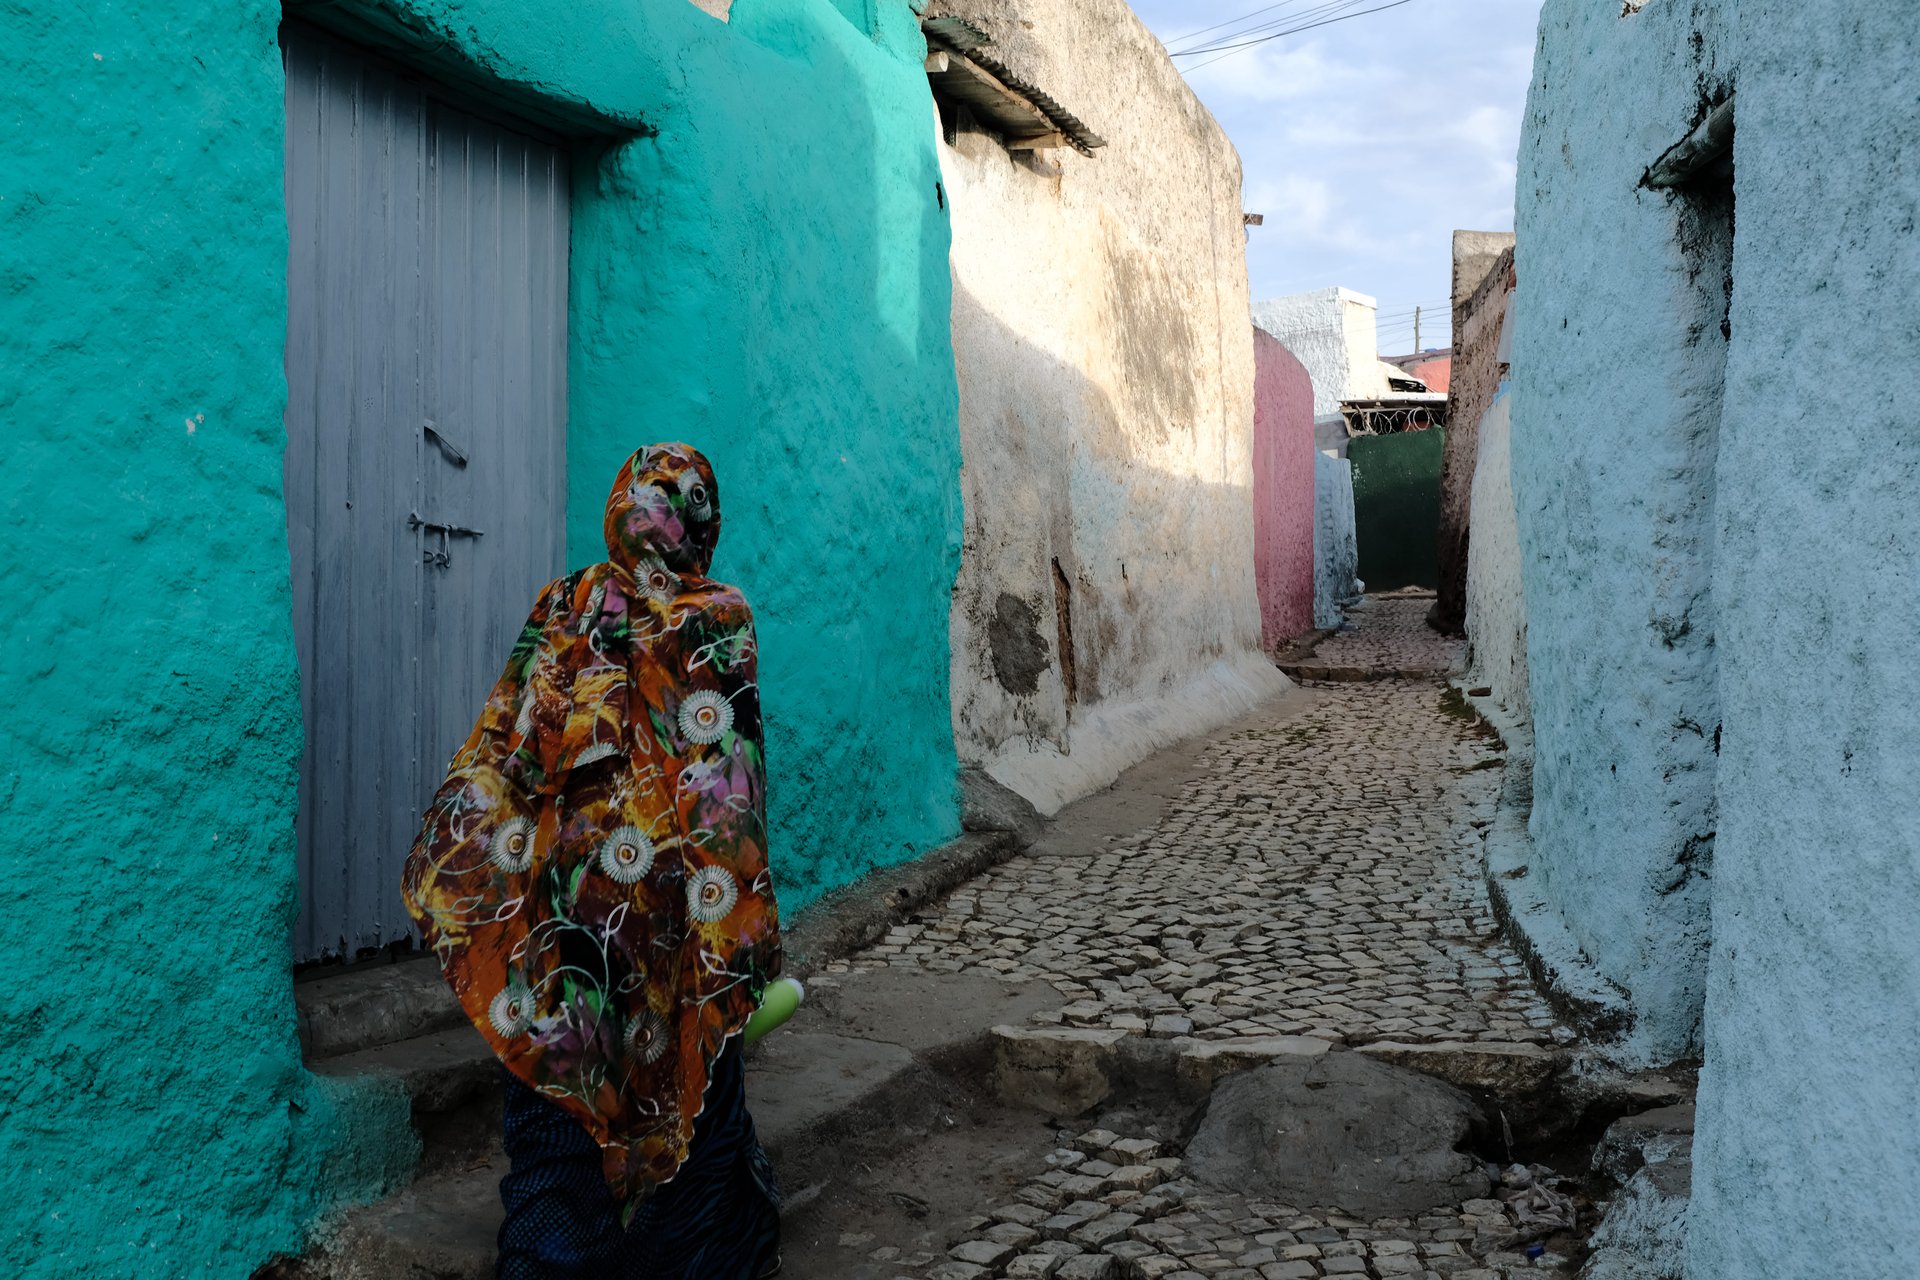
[{"x": 1310, "y": 872}]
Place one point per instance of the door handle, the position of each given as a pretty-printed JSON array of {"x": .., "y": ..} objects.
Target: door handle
[
  {"x": 444, "y": 530},
  {"x": 447, "y": 446},
  {"x": 440, "y": 558}
]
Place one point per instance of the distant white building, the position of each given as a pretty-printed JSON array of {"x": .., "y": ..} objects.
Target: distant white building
[{"x": 1332, "y": 332}]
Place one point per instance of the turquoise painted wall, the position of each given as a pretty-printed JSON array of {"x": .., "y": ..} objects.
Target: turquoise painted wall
[
  {"x": 765, "y": 276},
  {"x": 768, "y": 278}
]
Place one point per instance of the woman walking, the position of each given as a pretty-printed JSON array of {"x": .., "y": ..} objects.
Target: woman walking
[{"x": 593, "y": 876}]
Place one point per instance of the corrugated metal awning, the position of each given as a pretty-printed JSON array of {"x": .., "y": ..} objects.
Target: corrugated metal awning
[{"x": 1026, "y": 116}]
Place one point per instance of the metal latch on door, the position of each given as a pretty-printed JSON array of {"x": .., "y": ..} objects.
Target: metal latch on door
[{"x": 440, "y": 558}]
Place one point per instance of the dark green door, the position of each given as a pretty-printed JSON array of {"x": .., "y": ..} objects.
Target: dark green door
[{"x": 1396, "y": 507}]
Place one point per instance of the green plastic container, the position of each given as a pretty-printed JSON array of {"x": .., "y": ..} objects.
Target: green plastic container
[{"x": 783, "y": 996}]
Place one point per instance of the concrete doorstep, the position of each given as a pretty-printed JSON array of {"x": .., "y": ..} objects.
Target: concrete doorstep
[
  {"x": 864, "y": 1059},
  {"x": 873, "y": 1058},
  {"x": 861, "y": 1059}
]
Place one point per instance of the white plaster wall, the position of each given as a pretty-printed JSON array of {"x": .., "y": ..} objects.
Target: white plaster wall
[
  {"x": 1336, "y": 551},
  {"x": 1332, "y": 332},
  {"x": 1106, "y": 402},
  {"x": 1798, "y": 564},
  {"x": 1496, "y": 606}
]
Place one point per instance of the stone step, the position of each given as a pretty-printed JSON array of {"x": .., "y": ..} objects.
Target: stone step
[
  {"x": 870, "y": 1062},
  {"x": 807, "y": 1091},
  {"x": 443, "y": 1227},
  {"x": 361, "y": 1007},
  {"x": 441, "y": 1070}
]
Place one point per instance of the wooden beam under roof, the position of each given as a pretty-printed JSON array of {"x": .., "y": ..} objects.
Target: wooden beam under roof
[
  {"x": 1000, "y": 99},
  {"x": 1007, "y": 113}
]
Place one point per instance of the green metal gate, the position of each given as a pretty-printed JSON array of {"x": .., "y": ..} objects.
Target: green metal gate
[{"x": 1396, "y": 507}]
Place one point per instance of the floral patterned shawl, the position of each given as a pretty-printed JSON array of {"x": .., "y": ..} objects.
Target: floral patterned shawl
[{"x": 593, "y": 872}]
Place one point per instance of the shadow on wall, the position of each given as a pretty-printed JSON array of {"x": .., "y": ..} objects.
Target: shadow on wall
[{"x": 1138, "y": 590}]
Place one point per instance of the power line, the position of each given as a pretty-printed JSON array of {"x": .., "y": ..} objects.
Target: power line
[
  {"x": 1319, "y": 10},
  {"x": 1233, "y": 21},
  {"x": 1402, "y": 335},
  {"x": 1230, "y": 50}
]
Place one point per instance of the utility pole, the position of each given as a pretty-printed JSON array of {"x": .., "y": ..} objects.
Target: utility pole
[{"x": 1416, "y": 329}]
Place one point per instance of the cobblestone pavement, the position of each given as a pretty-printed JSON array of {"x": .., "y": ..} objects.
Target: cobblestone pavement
[
  {"x": 1114, "y": 1208},
  {"x": 1388, "y": 633},
  {"x": 1317, "y": 878}
]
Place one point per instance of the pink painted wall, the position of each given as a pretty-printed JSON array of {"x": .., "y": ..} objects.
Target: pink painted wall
[
  {"x": 1282, "y": 490},
  {"x": 1437, "y": 372}
]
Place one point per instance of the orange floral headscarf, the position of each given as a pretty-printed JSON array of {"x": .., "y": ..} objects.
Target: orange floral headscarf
[{"x": 593, "y": 872}]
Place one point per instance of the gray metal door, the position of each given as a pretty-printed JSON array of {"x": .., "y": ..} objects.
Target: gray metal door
[{"x": 426, "y": 438}]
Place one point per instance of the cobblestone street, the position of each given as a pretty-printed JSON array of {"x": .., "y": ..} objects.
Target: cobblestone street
[
  {"x": 1316, "y": 876},
  {"x": 1316, "y": 879},
  {"x": 1086, "y": 1217},
  {"x": 1384, "y": 634}
]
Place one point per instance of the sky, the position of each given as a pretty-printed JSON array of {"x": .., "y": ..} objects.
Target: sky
[{"x": 1366, "y": 142}]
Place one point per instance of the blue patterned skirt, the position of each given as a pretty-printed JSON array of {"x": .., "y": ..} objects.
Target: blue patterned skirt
[{"x": 718, "y": 1219}]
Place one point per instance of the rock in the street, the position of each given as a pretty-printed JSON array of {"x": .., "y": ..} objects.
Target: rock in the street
[
  {"x": 1504, "y": 1070},
  {"x": 1342, "y": 1131},
  {"x": 981, "y": 1253},
  {"x": 1205, "y": 1062},
  {"x": 1063, "y": 1071},
  {"x": 987, "y": 805}
]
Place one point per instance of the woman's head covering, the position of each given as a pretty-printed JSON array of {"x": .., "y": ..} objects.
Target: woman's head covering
[
  {"x": 593, "y": 872},
  {"x": 664, "y": 510}
]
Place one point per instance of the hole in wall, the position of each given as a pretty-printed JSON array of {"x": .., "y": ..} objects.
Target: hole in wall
[{"x": 1063, "y": 624}]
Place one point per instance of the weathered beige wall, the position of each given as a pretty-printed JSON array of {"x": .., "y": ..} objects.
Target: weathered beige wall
[
  {"x": 1496, "y": 600},
  {"x": 1101, "y": 332},
  {"x": 1478, "y": 257}
]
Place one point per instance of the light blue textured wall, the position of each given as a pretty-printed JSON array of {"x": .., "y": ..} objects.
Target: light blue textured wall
[
  {"x": 1807, "y": 1160},
  {"x": 1335, "y": 554},
  {"x": 1616, "y": 370},
  {"x": 156, "y": 1119},
  {"x": 765, "y": 275},
  {"x": 1782, "y": 526}
]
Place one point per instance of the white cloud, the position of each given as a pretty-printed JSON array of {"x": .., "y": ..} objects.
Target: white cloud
[{"x": 1367, "y": 142}]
